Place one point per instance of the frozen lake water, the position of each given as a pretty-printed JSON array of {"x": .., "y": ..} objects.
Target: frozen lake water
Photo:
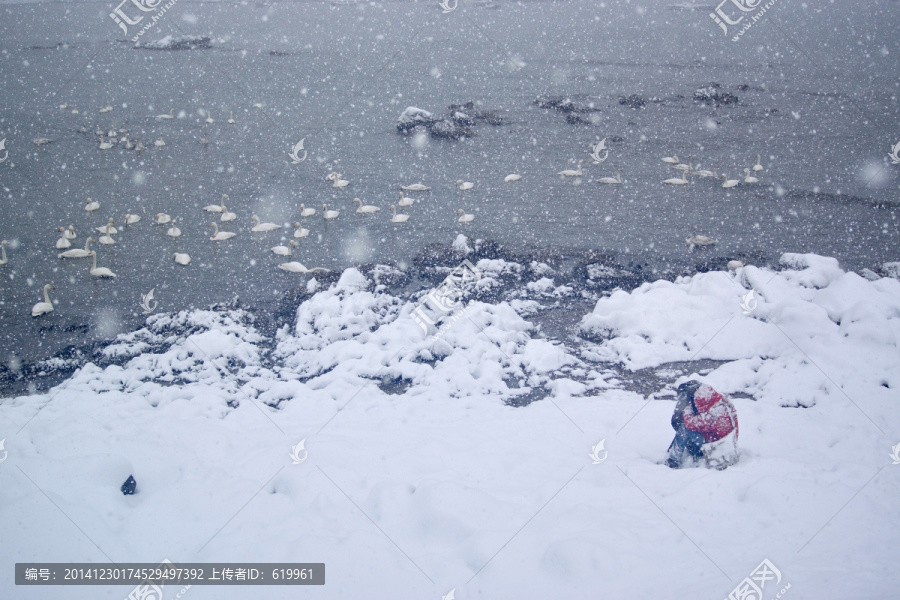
[{"x": 818, "y": 109}]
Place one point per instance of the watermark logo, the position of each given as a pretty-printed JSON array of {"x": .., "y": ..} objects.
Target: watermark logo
[
  {"x": 295, "y": 153},
  {"x": 748, "y": 302},
  {"x": 447, "y": 6},
  {"x": 299, "y": 453},
  {"x": 4, "y": 150},
  {"x": 151, "y": 591},
  {"x": 596, "y": 451},
  {"x": 146, "y": 300},
  {"x": 894, "y": 154},
  {"x": 737, "y": 10},
  {"x": 144, "y": 6},
  {"x": 451, "y": 595},
  {"x": 751, "y": 587},
  {"x": 4, "y": 453},
  {"x": 446, "y": 299},
  {"x": 596, "y": 149},
  {"x": 895, "y": 453}
]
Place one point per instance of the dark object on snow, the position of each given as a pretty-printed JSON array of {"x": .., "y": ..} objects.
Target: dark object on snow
[
  {"x": 706, "y": 426},
  {"x": 633, "y": 101},
  {"x": 129, "y": 486},
  {"x": 712, "y": 94}
]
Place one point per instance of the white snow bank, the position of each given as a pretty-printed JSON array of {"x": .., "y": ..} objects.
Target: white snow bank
[
  {"x": 420, "y": 479},
  {"x": 815, "y": 332}
]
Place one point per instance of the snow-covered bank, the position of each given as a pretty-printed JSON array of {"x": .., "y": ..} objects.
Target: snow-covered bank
[{"x": 420, "y": 478}]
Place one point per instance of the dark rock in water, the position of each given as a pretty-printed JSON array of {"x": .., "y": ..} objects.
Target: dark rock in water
[
  {"x": 451, "y": 130},
  {"x": 633, "y": 101},
  {"x": 413, "y": 117},
  {"x": 567, "y": 104},
  {"x": 577, "y": 120},
  {"x": 129, "y": 486},
  {"x": 185, "y": 42},
  {"x": 456, "y": 126},
  {"x": 712, "y": 94}
]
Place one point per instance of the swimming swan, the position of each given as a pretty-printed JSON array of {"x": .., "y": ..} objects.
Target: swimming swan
[
  {"x": 219, "y": 236},
  {"x": 263, "y": 227},
  {"x": 78, "y": 253},
  {"x": 43, "y": 307},
  {"x": 102, "y": 271}
]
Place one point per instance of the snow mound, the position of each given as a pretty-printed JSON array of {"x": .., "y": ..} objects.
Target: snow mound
[{"x": 795, "y": 337}]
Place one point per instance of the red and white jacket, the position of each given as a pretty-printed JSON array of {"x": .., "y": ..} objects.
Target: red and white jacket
[{"x": 715, "y": 416}]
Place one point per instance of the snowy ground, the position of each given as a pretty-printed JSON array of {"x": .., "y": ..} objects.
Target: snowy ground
[{"x": 421, "y": 478}]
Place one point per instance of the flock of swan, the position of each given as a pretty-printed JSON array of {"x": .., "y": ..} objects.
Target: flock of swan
[{"x": 109, "y": 231}]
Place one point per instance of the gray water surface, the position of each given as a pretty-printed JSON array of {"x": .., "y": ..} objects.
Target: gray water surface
[{"x": 817, "y": 90}]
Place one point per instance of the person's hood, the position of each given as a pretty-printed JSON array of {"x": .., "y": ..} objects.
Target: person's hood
[{"x": 705, "y": 398}]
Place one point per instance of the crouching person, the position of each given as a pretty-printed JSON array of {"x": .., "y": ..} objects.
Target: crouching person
[{"x": 706, "y": 428}]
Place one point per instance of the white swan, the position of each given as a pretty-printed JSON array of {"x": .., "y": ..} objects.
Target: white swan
[
  {"x": 749, "y": 178},
  {"x": 182, "y": 258},
  {"x": 162, "y": 218},
  {"x": 102, "y": 271},
  {"x": 758, "y": 166},
  {"x": 78, "y": 253},
  {"x": 404, "y": 201},
  {"x": 283, "y": 250},
  {"x": 671, "y": 159},
  {"x": 61, "y": 244},
  {"x": 329, "y": 214},
  {"x": 706, "y": 173},
  {"x": 43, "y": 307},
  {"x": 91, "y": 205},
  {"x": 699, "y": 240},
  {"x": 301, "y": 231},
  {"x": 365, "y": 209},
  {"x": 107, "y": 239},
  {"x": 131, "y": 219},
  {"x": 678, "y": 181},
  {"x": 573, "y": 172},
  {"x": 138, "y": 145},
  {"x": 464, "y": 185},
  {"x": 219, "y": 236},
  {"x": 173, "y": 230},
  {"x": 398, "y": 218},
  {"x": 230, "y": 118},
  {"x": 336, "y": 178},
  {"x": 171, "y": 115},
  {"x": 296, "y": 267},
  {"x": 685, "y": 167},
  {"x": 216, "y": 208},
  {"x": 416, "y": 187},
  {"x": 159, "y": 143},
  {"x": 105, "y": 109},
  {"x": 512, "y": 177},
  {"x": 69, "y": 233},
  {"x": 209, "y": 118},
  {"x": 734, "y": 265},
  {"x": 227, "y": 215},
  {"x": 108, "y": 228},
  {"x": 105, "y": 145},
  {"x": 729, "y": 183},
  {"x": 41, "y": 141},
  {"x": 3, "y": 245},
  {"x": 306, "y": 212},
  {"x": 616, "y": 179},
  {"x": 263, "y": 227},
  {"x": 465, "y": 217}
]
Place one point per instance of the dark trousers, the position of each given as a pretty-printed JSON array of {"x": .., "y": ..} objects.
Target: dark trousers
[{"x": 685, "y": 439}]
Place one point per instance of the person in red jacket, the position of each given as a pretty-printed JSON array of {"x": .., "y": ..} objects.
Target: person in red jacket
[{"x": 706, "y": 426}]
